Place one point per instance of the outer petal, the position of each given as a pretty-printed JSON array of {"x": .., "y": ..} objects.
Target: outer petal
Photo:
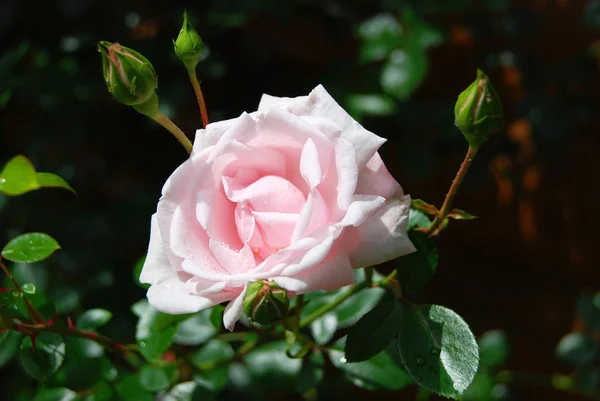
[
  {"x": 382, "y": 237},
  {"x": 375, "y": 179},
  {"x": 172, "y": 296},
  {"x": 233, "y": 310},
  {"x": 331, "y": 274},
  {"x": 156, "y": 267}
]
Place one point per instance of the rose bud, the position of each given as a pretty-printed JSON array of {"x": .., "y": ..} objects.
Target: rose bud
[
  {"x": 266, "y": 303},
  {"x": 188, "y": 45},
  {"x": 478, "y": 111},
  {"x": 129, "y": 76}
]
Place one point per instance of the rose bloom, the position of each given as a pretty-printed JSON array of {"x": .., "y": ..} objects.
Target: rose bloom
[{"x": 295, "y": 193}]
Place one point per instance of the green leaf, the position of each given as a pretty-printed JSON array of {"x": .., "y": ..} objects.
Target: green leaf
[
  {"x": 417, "y": 219},
  {"x": 422, "y": 206},
  {"x": 459, "y": 214},
  {"x": 417, "y": 268},
  {"x": 404, "y": 72},
  {"x": 18, "y": 177},
  {"x": 49, "y": 180},
  {"x": 84, "y": 348},
  {"x": 153, "y": 378},
  {"x": 55, "y": 394},
  {"x": 588, "y": 308},
  {"x": 270, "y": 367},
  {"x": 216, "y": 316},
  {"x": 9, "y": 346},
  {"x": 577, "y": 349},
  {"x": 153, "y": 346},
  {"x": 137, "y": 270},
  {"x": 130, "y": 388},
  {"x": 324, "y": 328},
  {"x": 93, "y": 318},
  {"x": 30, "y": 248},
  {"x": 373, "y": 332},
  {"x": 45, "y": 360},
  {"x": 438, "y": 349},
  {"x": 8, "y": 298},
  {"x": 311, "y": 373},
  {"x": 214, "y": 352},
  {"x": 150, "y": 320},
  {"x": 28, "y": 288},
  {"x": 493, "y": 348},
  {"x": 196, "y": 330},
  {"x": 383, "y": 371},
  {"x": 481, "y": 388},
  {"x": 371, "y": 105},
  {"x": 188, "y": 391},
  {"x": 381, "y": 34}
]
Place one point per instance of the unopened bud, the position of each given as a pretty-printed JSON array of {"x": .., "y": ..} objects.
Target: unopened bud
[
  {"x": 188, "y": 45},
  {"x": 478, "y": 111},
  {"x": 129, "y": 76},
  {"x": 266, "y": 303}
]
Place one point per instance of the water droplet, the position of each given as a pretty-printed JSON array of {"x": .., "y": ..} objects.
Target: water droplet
[
  {"x": 343, "y": 359},
  {"x": 435, "y": 351},
  {"x": 142, "y": 344},
  {"x": 421, "y": 361}
]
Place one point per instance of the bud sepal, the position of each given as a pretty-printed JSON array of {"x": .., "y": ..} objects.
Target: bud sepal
[
  {"x": 478, "y": 111},
  {"x": 188, "y": 45},
  {"x": 266, "y": 303}
]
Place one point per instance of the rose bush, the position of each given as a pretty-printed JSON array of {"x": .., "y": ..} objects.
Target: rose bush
[{"x": 295, "y": 193}]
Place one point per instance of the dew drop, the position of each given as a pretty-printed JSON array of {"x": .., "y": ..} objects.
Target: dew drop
[
  {"x": 421, "y": 361},
  {"x": 142, "y": 344},
  {"x": 343, "y": 359}
]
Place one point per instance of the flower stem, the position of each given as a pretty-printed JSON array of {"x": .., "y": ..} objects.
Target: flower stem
[
  {"x": 199, "y": 96},
  {"x": 446, "y": 207},
  {"x": 173, "y": 129}
]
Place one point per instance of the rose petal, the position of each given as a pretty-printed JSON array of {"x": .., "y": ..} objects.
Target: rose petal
[
  {"x": 171, "y": 296},
  {"x": 382, "y": 237},
  {"x": 314, "y": 215},
  {"x": 375, "y": 179},
  {"x": 310, "y": 167},
  {"x": 156, "y": 266},
  {"x": 234, "y": 309},
  {"x": 362, "y": 207},
  {"x": 215, "y": 213}
]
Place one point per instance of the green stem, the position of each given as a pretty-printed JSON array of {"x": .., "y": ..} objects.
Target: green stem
[
  {"x": 446, "y": 207},
  {"x": 173, "y": 129},
  {"x": 199, "y": 96},
  {"x": 388, "y": 281}
]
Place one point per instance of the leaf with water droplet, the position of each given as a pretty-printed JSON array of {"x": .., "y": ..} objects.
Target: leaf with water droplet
[
  {"x": 435, "y": 337},
  {"x": 30, "y": 248}
]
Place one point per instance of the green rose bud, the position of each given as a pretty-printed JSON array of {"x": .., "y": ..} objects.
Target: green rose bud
[
  {"x": 188, "y": 45},
  {"x": 478, "y": 111},
  {"x": 266, "y": 303},
  {"x": 129, "y": 76}
]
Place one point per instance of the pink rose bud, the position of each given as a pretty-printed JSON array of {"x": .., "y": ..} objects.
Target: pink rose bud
[
  {"x": 129, "y": 76},
  {"x": 294, "y": 194}
]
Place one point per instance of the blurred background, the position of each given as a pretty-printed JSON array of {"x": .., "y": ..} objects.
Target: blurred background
[{"x": 397, "y": 66}]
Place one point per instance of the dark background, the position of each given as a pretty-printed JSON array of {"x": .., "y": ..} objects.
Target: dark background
[{"x": 520, "y": 267}]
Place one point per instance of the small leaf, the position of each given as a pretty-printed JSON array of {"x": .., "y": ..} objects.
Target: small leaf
[
  {"x": 459, "y": 214},
  {"x": 404, "y": 71},
  {"x": 153, "y": 378},
  {"x": 93, "y": 318},
  {"x": 30, "y": 248},
  {"x": 493, "y": 348},
  {"x": 577, "y": 349},
  {"x": 28, "y": 288},
  {"x": 383, "y": 371},
  {"x": 381, "y": 34},
  {"x": 18, "y": 177},
  {"x": 324, "y": 328},
  {"x": 196, "y": 330},
  {"x": 156, "y": 343},
  {"x": 45, "y": 360},
  {"x": 298, "y": 345},
  {"x": 55, "y": 394},
  {"x": 49, "y": 180},
  {"x": 417, "y": 219},
  {"x": 130, "y": 388},
  {"x": 9, "y": 346},
  {"x": 373, "y": 332},
  {"x": 137, "y": 270},
  {"x": 371, "y": 105},
  {"x": 270, "y": 367},
  {"x": 215, "y": 351},
  {"x": 417, "y": 268},
  {"x": 438, "y": 349},
  {"x": 422, "y": 206},
  {"x": 151, "y": 321}
]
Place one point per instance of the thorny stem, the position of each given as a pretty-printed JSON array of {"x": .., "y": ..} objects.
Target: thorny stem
[
  {"x": 446, "y": 207},
  {"x": 199, "y": 96},
  {"x": 173, "y": 129},
  {"x": 35, "y": 316}
]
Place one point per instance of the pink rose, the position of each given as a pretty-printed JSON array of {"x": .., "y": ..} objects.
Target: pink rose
[{"x": 295, "y": 193}]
